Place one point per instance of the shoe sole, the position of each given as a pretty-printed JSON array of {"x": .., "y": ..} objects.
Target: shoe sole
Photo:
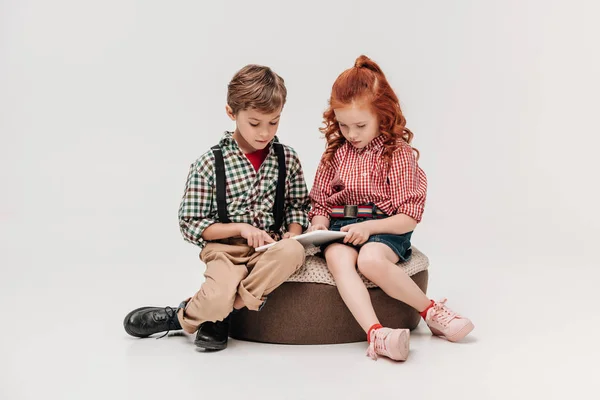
[
  {"x": 458, "y": 335},
  {"x": 404, "y": 345},
  {"x": 209, "y": 345}
]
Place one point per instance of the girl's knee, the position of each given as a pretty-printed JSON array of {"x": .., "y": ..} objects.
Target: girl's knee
[
  {"x": 371, "y": 263},
  {"x": 340, "y": 258},
  {"x": 338, "y": 250}
]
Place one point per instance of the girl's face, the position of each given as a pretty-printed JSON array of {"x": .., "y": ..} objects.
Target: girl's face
[
  {"x": 358, "y": 124},
  {"x": 254, "y": 129}
]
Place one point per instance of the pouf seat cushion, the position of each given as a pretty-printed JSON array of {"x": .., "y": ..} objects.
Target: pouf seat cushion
[{"x": 307, "y": 308}]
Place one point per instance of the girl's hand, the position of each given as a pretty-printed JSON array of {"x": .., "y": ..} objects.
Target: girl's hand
[
  {"x": 255, "y": 236},
  {"x": 357, "y": 234},
  {"x": 317, "y": 227}
]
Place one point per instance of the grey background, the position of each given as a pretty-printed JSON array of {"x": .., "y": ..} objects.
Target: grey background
[{"x": 103, "y": 106}]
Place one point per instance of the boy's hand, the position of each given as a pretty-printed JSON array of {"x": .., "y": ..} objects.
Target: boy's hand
[
  {"x": 288, "y": 235},
  {"x": 357, "y": 234},
  {"x": 317, "y": 227},
  {"x": 255, "y": 236}
]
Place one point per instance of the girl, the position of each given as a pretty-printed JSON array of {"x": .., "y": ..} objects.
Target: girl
[{"x": 369, "y": 184}]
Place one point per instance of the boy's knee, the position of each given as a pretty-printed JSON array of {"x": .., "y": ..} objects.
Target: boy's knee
[{"x": 291, "y": 251}]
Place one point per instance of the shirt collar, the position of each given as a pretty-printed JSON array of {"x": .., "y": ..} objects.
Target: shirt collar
[
  {"x": 375, "y": 144},
  {"x": 227, "y": 140}
]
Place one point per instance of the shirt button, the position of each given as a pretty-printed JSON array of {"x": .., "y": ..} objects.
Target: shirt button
[{"x": 364, "y": 174}]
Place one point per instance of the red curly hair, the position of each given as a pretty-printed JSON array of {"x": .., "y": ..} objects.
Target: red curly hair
[{"x": 365, "y": 83}]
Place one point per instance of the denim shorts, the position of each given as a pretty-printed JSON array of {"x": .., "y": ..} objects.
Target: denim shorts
[{"x": 400, "y": 244}]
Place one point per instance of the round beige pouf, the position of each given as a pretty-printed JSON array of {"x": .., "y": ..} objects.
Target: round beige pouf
[{"x": 307, "y": 309}]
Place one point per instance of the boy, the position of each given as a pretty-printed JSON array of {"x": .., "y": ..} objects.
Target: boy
[{"x": 246, "y": 192}]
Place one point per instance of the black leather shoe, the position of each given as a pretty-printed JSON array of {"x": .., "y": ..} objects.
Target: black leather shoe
[
  {"x": 146, "y": 321},
  {"x": 213, "y": 335}
]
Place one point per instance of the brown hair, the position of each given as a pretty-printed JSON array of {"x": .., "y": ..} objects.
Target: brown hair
[
  {"x": 257, "y": 87},
  {"x": 366, "y": 83}
]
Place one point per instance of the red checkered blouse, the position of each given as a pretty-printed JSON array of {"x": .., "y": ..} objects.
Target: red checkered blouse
[{"x": 360, "y": 176}]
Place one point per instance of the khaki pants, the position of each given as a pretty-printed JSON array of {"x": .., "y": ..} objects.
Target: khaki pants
[{"x": 232, "y": 267}]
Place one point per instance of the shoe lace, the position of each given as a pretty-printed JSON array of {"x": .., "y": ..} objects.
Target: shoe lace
[
  {"x": 377, "y": 343},
  {"x": 443, "y": 314},
  {"x": 171, "y": 315}
]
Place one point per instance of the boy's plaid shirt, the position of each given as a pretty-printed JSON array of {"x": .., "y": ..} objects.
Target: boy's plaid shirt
[{"x": 250, "y": 194}]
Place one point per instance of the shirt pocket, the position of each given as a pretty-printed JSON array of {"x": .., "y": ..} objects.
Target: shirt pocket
[{"x": 337, "y": 184}]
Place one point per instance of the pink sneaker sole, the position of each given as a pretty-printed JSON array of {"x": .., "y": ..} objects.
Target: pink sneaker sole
[
  {"x": 401, "y": 345},
  {"x": 458, "y": 335}
]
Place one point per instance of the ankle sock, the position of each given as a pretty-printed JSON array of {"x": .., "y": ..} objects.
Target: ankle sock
[
  {"x": 371, "y": 329},
  {"x": 424, "y": 312}
]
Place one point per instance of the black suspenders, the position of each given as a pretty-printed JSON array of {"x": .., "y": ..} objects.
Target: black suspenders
[
  {"x": 280, "y": 193},
  {"x": 221, "y": 184},
  {"x": 278, "y": 208}
]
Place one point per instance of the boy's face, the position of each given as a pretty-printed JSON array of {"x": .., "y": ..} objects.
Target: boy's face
[
  {"x": 358, "y": 124},
  {"x": 254, "y": 129}
]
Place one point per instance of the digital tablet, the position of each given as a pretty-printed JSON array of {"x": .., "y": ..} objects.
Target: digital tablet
[{"x": 315, "y": 238}]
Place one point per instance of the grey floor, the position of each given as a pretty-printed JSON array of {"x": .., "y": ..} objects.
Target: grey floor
[
  {"x": 64, "y": 340},
  {"x": 104, "y": 105}
]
